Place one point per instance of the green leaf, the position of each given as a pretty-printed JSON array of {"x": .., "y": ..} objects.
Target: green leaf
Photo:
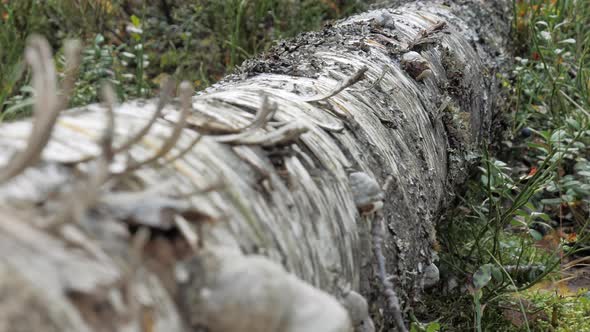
[
  {"x": 484, "y": 180},
  {"x": 575, "y": 124},
  {"x": 546, "y": 225},
  {"x": 551, "y": 201},
  {"x": 518, "y": 222},
  {"x": 558, "y": 135},
  {"x": 482, "y": 276},
  {"x": 497, "y": 273},
  {"x": 27, "y": 89},
  {"x": 541, "y": 147},
  {"x": 536, "y": 234},
  {"x": 543, "y": 216},
  {"x": 99, "y": 39},
  {"x": 433, "y": 327},
  {"x": 135, "y": 21},
  {"x": 19, "y": 106}
]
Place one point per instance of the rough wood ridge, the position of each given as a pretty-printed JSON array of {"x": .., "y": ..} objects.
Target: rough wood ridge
[{"x": 186, "y": 215}]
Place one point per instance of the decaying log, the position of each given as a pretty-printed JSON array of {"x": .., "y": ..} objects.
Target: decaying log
[{"x": 258, "y": 204}]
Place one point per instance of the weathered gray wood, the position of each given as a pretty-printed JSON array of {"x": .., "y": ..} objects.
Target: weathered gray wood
[{"x": 421, "y": 101}]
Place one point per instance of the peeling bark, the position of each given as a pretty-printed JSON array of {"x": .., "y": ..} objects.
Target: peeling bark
[{"x": 202, "y": 236}]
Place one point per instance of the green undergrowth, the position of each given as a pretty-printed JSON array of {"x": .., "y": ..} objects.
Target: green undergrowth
[
  {"x": 514, "y": 253},
  {"x": 134, "y": 44}
]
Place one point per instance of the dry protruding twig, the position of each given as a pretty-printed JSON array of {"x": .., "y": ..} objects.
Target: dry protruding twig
[
  {"x": 47, "y": 104},
  {"x": 280, "y": 136},
  {"x": 349, "y": 81},
  {"x": 264, "y": 114},
  {"x": 193, "y": 238},
  {"x": 101, "y": 172},
  {"x": 139, "y": 241},
  {"x": 184, "y": 151},
  {"x": 377, "y": 237},
  {"x": 72, "y": 50},
  {"x": 250, "y": 136},
  {"x": 384, "y": 71},
  {"x": 185, "y": 100},
  {"x": 390, "y": 294},
  {"x": 424, "y": 35},
  {"x": 85, "y": 193},
  {"x": 165, "y": 93},
  {"x": 108, "y": 96}
]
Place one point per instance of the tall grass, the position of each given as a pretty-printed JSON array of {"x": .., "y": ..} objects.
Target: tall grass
[{"x": 198, "y": 40}]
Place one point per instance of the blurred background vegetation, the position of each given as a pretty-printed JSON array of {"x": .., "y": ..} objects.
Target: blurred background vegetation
[{"x": 134, "y": 42}]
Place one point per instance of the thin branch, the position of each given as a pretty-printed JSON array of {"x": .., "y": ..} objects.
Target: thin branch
[
  {"x": 193, "y": 238},
  {"x": 72, "y": 50},
  {"x": 390, "y": 294},
  {"x": 184, "y": 151},
  {"x": 108, "y": 96},
  {"x": 384, "y": 71},
  {"x": 349, "y": 81},
  {"x": 283, "y": 135},
  {"x": 186, "y": 107},
  {"x": 424, "y": 35},
  {"x": 47, "y": 105},
  {"x": 248, "y": 135},
  {"x": 85, "y": 193},
  {"x": 102, "y": 172},
  {"x": 165, "y": 94},
  {"x": 263, "y": 116}
]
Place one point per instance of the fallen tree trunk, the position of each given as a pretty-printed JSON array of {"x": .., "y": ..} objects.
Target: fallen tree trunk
[{"x": 332, "y": 146}]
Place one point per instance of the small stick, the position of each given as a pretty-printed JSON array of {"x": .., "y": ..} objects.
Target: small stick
[
  {"x": 392, "y": 299},
  {"x": 47, "y": 105},
  {"x": 357, "y": 76},
  {"x": 264, "y": 114},
  {"x": 377, "y": 235},
  {"x": 184, "y": 151},
  {"x": 426, "y": 33},
  {"x": 192, "y": 237},
  {"x": 108, "y": 96},
  {"x": 385, "y": 70},
  {"x": 165, "y": 94},
  {"x": 162, "y": 101},
  {"x": 185, "y": 99},
  {"x": 279, "y": 136},
  {"x": 86, "y": 193}
]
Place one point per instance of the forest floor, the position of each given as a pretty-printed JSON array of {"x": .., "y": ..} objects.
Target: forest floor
[{"x": 515, "y": 253}]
